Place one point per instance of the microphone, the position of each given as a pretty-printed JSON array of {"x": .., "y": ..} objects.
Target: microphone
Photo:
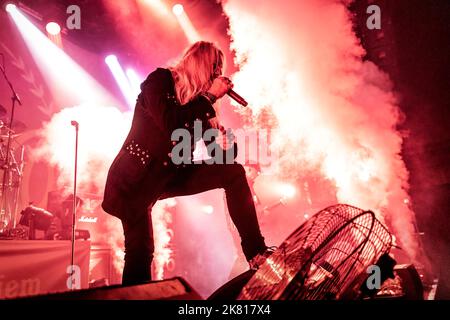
[{"x": 233, "y": 95}]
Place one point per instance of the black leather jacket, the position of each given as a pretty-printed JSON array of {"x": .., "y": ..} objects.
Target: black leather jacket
[
  {"x": 157, "y": 114},
  {"x": 148, "y": 144}
]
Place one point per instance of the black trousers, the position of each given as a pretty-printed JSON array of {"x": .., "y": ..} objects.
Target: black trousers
[{"x": 192, "y": 179}]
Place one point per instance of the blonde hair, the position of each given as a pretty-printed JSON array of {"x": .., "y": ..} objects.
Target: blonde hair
[{"x": 194, "y": 73}]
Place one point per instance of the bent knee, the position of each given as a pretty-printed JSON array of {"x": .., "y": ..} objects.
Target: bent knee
[{"x": 234, "y": 172}]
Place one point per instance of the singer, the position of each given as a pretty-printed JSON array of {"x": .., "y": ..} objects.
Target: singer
[{"x": 143, "y": 173}]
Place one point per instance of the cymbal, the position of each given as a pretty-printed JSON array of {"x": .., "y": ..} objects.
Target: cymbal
[
  {"x": 17, "y": 126},
  {"x": 13, "y": 136}
]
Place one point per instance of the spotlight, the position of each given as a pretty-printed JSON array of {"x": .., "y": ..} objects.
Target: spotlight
[
  {"x": 66, "y": 79},
  {"x": 110, "y": 59},
  {"x": 208, "y": 209},
  {"x": 185, "y": 23},
  {"x": 178, "y": 9},
  {"x": 53, "y": 28},
  {"x": 10, "y": 7}
]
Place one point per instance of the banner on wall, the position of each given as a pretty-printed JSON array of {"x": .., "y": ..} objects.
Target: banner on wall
[{"x": 31, "y": 267}]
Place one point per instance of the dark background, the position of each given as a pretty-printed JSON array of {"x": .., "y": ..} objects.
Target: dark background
[{"x": 413, "y": 47}]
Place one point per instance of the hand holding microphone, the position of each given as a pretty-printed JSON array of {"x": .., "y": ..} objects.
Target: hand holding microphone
[{"x": 222, "y": 86}]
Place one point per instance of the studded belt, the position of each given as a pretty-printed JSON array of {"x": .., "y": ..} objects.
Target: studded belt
[{"x": 136, "y": 150}]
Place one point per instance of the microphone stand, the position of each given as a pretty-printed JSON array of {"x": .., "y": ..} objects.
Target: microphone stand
[
  {"x": 74, "y": 208},
  {"x": 14, "y": 99}
]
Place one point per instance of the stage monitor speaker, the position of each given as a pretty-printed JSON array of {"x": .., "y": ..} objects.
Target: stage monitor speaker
[
  {"x": 232, "y": 289},
  {"x": 170, "y": 289},
  {"x": 410, "y": 281}
]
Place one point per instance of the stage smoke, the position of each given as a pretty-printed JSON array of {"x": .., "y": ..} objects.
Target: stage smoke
[
  {"x": 332, "y": 113},
  {"x": 163, "y": 235},
  {"x": 102, "y": 131}
]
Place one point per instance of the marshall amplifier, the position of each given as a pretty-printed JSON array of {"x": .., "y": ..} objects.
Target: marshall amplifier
[{"x": 90, "y": 218}]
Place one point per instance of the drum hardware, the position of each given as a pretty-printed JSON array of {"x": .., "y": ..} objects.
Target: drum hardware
[
  {"x": 12, "y": 169},
  {"x": 10, "y": 185}
]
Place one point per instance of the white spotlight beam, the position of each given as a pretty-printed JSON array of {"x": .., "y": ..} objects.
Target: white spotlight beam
[
  {"x": 69, "y": 82},
  {"x": 185, "y": 23},
  {"x": 158, "y": 6},
  {"x": 121, "y": 79},
  {"x": 135, "y": 81}
]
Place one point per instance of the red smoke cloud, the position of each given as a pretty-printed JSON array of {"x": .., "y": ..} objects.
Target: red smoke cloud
[{"x": 334, "y": 114}]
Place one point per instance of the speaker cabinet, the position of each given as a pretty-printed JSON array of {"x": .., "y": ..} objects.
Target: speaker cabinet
[{"x": 170, "y": 289}]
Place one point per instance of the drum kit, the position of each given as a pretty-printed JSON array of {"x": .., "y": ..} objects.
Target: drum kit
[{"x": 11, "y": 170}]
